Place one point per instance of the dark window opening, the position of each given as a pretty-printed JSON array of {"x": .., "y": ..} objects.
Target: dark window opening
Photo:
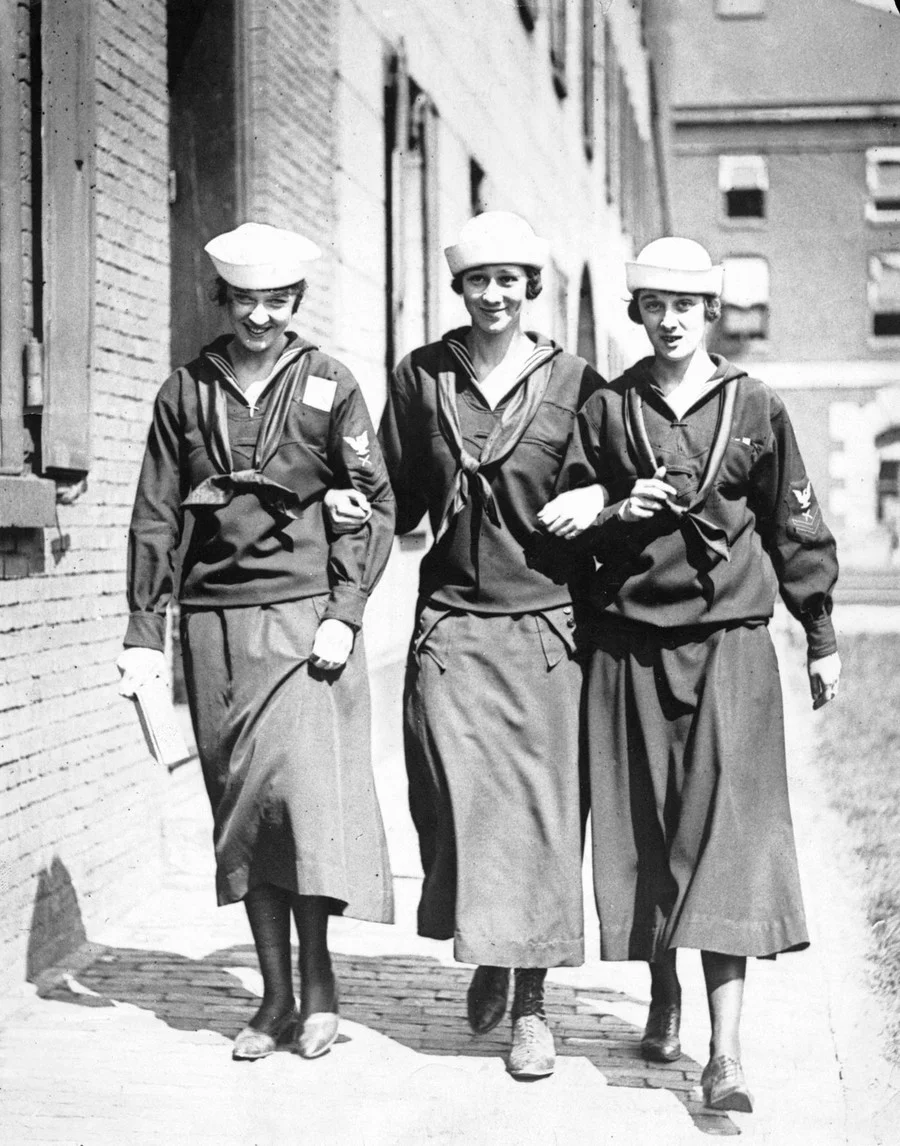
[
  {"x": 886, "y": 324},
  {"x": 745, "y": 203},
  {"x": 750, "y": 322},
  {"x": 888, "y": 489},
  {"x": 884, "y": 294}
]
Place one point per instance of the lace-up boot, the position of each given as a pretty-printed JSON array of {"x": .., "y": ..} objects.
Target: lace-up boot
[{"x": 533, "y": 1054}]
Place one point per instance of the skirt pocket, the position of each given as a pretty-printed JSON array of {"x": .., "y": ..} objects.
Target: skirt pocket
[{"x": 431, "y": 637}]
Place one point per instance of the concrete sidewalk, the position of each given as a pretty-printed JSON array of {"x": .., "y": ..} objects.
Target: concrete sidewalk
[{"x": 130, "y": 1042}]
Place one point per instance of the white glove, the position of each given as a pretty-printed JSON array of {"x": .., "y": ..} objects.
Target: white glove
[
  {"x": 138, "y": 666},
  {"x": 824, "y": 679},
  {"x": 334, "y": 640}
]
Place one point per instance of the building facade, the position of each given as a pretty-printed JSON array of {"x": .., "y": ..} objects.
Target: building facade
[
  {"x": 131, "y": 132},
  {"x": 783, "y": 122}
]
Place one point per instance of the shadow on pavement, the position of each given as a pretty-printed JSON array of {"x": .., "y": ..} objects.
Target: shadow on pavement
[{"x": 416, "y": 1001}]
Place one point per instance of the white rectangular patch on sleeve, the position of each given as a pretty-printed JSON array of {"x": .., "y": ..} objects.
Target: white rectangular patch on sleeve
[{"x": 319, "y": 392}]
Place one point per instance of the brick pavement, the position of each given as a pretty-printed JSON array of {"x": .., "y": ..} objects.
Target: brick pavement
[{"x": 129, "y": 1043}]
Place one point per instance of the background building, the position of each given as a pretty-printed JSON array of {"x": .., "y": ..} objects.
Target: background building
[
  {"x": 783, "y": 121},
  {"x": 131, "y": 131}
]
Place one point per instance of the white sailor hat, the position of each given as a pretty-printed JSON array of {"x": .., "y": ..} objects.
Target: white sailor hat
[
  {"x": 256, "y": 256},
  {"x": 496, "y": 237},
  {"x": 676, "y": 265}
]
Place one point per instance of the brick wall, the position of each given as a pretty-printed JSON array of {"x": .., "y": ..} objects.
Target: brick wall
[
  {"x": 79, "y": 799},
  {"x": 289, "y": 46}
]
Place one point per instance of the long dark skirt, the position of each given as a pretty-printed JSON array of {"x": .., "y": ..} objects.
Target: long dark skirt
[
  {"x": 286, "y": 757},
  {"x": 692, "y": 833},
  {"x": 492, "y": 754}
]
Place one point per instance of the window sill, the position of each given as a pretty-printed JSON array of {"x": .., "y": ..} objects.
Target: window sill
[
  {"x": 886, "y": 342},
  {"x": 27, "y": 503},
  {"x": 743, "y": 222}
]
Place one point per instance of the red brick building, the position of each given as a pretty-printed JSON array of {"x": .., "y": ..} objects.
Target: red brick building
[{"x": 783, "y": 122}]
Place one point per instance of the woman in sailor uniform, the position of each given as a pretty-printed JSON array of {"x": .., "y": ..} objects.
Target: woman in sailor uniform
[
  {"x": 474, "y": 433},
  {"x": 710, "y": 513},
  {"x": 247, "y": 440}
]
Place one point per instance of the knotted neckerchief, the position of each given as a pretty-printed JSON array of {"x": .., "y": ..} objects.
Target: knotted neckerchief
[
  {"x": 219, "y": 489},
  {"x": 713, "y": 536},
  {"x": 469, "y": 480}
]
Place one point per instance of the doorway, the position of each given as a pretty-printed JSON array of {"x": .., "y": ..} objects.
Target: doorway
[{"x": 205, "y": 169}]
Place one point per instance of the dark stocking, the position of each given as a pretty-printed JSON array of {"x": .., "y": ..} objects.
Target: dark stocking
[
  {"x": 318, "y": 990},
  {"x": 269, "y": 912},
  {"x": 665, "y": 990}
]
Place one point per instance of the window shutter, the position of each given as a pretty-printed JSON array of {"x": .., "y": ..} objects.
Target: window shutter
[
  {"x": 11, "y": 313},
  {"x": 68, "y": 108}
]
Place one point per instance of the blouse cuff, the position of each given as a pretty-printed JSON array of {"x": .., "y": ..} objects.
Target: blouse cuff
[
  {"x": 146, "y": 631},
  {"x": 820, "y": 637},
  {"x": 347, "y": 604}
]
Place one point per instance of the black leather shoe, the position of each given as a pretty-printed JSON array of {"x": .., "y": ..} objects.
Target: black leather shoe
[
  {"x": 661, "y": 1042},
  {"x": 486, "y": 999}
]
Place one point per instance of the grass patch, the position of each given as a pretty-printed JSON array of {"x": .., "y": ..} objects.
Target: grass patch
[{"x": 859, "y": 754}]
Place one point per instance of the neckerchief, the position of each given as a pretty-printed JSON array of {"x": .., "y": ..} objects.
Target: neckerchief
[
  {"x": 218, "y": 490},
  {"x": 469, "y": 480},
  {"x": 713, "y": 536}
]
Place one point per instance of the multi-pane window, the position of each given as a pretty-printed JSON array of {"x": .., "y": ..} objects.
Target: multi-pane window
[
  {"x": 743, "y": 184},
  {"x": 745, "y": 297},
  {"x": 884, "y": 293},
  {"x": 883, "y": 183}
]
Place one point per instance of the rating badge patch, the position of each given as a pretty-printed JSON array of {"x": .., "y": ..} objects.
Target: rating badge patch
[{"x": 804, "y": 522}]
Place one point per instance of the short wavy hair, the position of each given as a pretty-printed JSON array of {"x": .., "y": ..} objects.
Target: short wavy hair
[
  {"x": 218, "y": 291},
  {"x": 712, "y": 308},
  {"x": 533, "y": 287}
]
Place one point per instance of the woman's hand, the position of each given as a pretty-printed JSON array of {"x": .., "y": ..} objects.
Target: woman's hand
[
  {"x": 571, "y": 513},
  {"x": 648, "y": 496},
  {"x": 334, "y": 640},
  {"x": 138, "y": 667},
  {"x": 347, "y": 509},
  {"x": 824, "y": 678}
]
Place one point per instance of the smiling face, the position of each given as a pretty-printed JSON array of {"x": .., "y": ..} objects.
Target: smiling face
[
  {"x": 259, "y": 318},
  {"x": 494, "y": 295},
  {"x": 675, "y": 323}
]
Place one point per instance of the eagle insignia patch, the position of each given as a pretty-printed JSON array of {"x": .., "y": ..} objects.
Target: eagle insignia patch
[
  {"x": 360, "y": 446},
  {"x": 803, "y": 524}
]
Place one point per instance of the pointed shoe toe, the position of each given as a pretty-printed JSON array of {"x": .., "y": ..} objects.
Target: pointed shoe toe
[
  {"x": 251, "y": 1044},
  {"x": 317, "y": 1034},
  {"x": 724, "y": 1085}
]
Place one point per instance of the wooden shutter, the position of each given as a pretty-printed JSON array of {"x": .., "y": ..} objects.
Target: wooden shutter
[
  {"x": 68, "y": 108},
  {"x": 11, "y": 313}
]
